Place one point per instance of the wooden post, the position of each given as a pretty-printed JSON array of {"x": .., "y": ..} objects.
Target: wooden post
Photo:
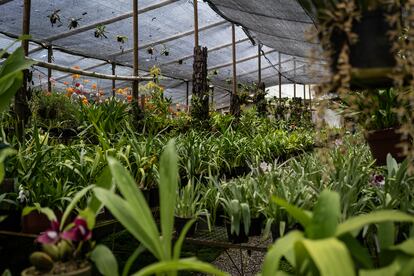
[
  {"x": 259, "y": 48},
  {"x": 196, "y": 38},
  {"x": 113, "y": 81},
  {"x": 22, "y": 96},
  {"x": 304, "y": 94},
  {"x": 294, "y": 76},
  {"x": 280, "y": 76},
  {"x": 135, "y": 86},
  {"x": 49, "y": 70},
  {"x": 234, "y": 105},
  {"x": 187, "y": 95}
]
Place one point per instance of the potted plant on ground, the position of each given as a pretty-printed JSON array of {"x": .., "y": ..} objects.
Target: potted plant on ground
[
  {"x": 362, "y": 30},
  {"x": 376, "y": 112},
  {"x": 187, "y": 208},
  {"x": 237, "y": 219}
]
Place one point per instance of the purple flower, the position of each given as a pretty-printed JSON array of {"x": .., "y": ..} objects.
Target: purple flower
[
  {"x": 378, "y": 180},
  {"x": 79, "y": 232},
  {"x": 50, "y": 236}
]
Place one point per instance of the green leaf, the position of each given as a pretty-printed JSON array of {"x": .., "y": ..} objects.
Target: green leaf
[
  {"x": 390, "y": 270},
  {"x": 103, "y": 181},
  {"x": 90, "y": 216},
  {"x": 141, "y": 249},
  {"x": 168, "y": 185},
  {"x": 406, "y": 247},
  {"x": 180, "y": 265},
  {"x": 357, "y": 223},
  {"x": 325, "y": 216},
  {"x": 300, "y": 215},
  {"x": 358, "y": 252},
  {"x": 179, "y": 242},
  {"x": 330, "y": 256},
  {"x": 128, "y": 216},
  {"x": 280, "y": 249},
  {"x": 105, "y": 261},
  {"x": 4, "y": 153},
  {"x": 386, "y": 234},
  {"x": 73, "y": 204},
  {"x": 44, "y": 210}
]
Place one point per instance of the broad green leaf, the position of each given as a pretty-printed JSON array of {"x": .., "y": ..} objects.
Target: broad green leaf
[
  {"x": 130, "y": 218},
  {"x": 105, "y": 261},
  {"x": 4, "y": 153},
  {"x": 103, "y": 181},
  {"x": 278, "y": 250},
  {"x": 407, "y": 247},
  {"x": 357, "y": 223},
  {"x": 136, "y": 202},
  {"x": 168, "y": 185},
  {"x": 358, "y": 252},
  {"x": 90, "y": 216},
  {"x": 180, "y": 265},
  {"x": 386, "y": 234},
  {"x": 325, "y": 216},
  {"x": 330, "y": 256},
  {"x": 390, "y": 270},
  {"x": 300, "y": 215}
]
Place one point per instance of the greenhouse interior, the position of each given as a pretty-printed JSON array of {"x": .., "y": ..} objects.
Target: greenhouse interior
[{"x": 214, "y": 137}]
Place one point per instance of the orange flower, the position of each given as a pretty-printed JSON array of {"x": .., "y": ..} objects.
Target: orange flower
[
  {"x": 129, "y": 98},
  {"x": 76, "y": 76},
  {"x": 120, "y": 91},
  {"x": 86, "y": 81},
  {"x": 76, "y": 67},
  {"x": 85, "y": 101},
  {"x": 66, "y": 83},
  {"x": 94, "y": 86},
  {"x": 70, "y": 90}
]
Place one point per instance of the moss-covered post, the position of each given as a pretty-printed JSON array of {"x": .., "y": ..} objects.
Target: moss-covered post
[
  {"x": 23, "y": 95},
  {"x": 199, "y": 100}
]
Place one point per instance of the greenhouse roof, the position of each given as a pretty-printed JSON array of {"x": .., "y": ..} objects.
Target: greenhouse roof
[{"x": 166, "y": 39}]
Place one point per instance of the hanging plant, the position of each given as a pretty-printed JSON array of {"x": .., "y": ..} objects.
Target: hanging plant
[
  {"x": 54, "y": 17},
  {"x": 74, "y": 23},
  {"x": 165, "y": 51},
  {"x": 121, "y": 39},
  {"x": 100, "y": 31},
  {"x": 150, "y": 51}
]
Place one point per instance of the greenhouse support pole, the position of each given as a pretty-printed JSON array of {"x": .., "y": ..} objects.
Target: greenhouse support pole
[
  {"x": 49, "y": 70},
  {"x": 280, "y": 75},
  {"x": 22, "y": 96},
  {"x": 310, "y": 97},
  {"x": 234, "y": 104},
  {"x": 294, "y": 81},
  {"x": 135, "y": 86},
  {"x": 304, "y": 94},
  {"x": 196, "y": 36},
  {"x": 113, "y": 81},
  {"x": 259, "y": 49},
  {"x": 187, "y": 92}
]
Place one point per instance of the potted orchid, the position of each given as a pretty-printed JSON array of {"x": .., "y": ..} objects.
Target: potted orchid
[{"x": 64, "y": 250}]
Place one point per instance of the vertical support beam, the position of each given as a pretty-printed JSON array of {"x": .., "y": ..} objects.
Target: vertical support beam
[
  {"x": 304, "y": 94},
  {"x": 280, "y": 76},
  {"x": 113, "y": 81},
  {"x": 212, "y": 97},
  {"x": 310, "y": 97},
  {"x": 196, "y": 36},
  {"x": 259, "y": 54},
  {"x": 49, "y": 70},
  {"x": 294, "y": 77},
  {"x": 187, "y": 95},
  {"x": 22, "y": 96},
  {"x": 135, "y": 86},
  {"x": 234, "y": 104}
]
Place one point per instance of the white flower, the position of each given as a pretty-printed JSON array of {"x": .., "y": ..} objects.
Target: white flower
[{"x": 265, "y": 167}]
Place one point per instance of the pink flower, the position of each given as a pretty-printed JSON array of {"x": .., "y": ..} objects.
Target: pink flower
[
  {"x": 79, "y": 232},
  {"x": 50, "y": 236},
  {"x": 77, "y": 84}
]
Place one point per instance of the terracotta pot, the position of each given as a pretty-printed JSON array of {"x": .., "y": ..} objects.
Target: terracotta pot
[
  {"x": 85, "y": 271},
  {"x": 382, "y": 142}
]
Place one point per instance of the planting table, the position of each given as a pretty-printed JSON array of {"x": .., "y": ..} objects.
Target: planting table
[{"x": 217, "y": 238}]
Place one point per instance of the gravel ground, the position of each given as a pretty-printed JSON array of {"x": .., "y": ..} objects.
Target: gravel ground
[{"x": 252, "y": 261}]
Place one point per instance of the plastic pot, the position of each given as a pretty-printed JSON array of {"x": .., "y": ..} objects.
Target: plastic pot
[
  {"x": 256, "y": 226},
  {"x": 382, "y": 142},
  {"x": 84, "y": 271},
  {"x": 180, "y": 224},
  {"x": 233, "y": 237}
]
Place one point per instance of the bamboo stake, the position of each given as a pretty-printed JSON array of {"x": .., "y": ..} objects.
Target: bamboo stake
[{"x": 113, "y": 81}]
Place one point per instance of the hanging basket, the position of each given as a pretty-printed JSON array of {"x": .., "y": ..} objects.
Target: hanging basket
[{"x": 371, "y": 57}]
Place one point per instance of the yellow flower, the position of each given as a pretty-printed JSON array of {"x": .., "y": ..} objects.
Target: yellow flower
[
  {"x": 155, "y": 71},
  {"x": 86, "y": 81},
  {"x": 76, "y": 76}
]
